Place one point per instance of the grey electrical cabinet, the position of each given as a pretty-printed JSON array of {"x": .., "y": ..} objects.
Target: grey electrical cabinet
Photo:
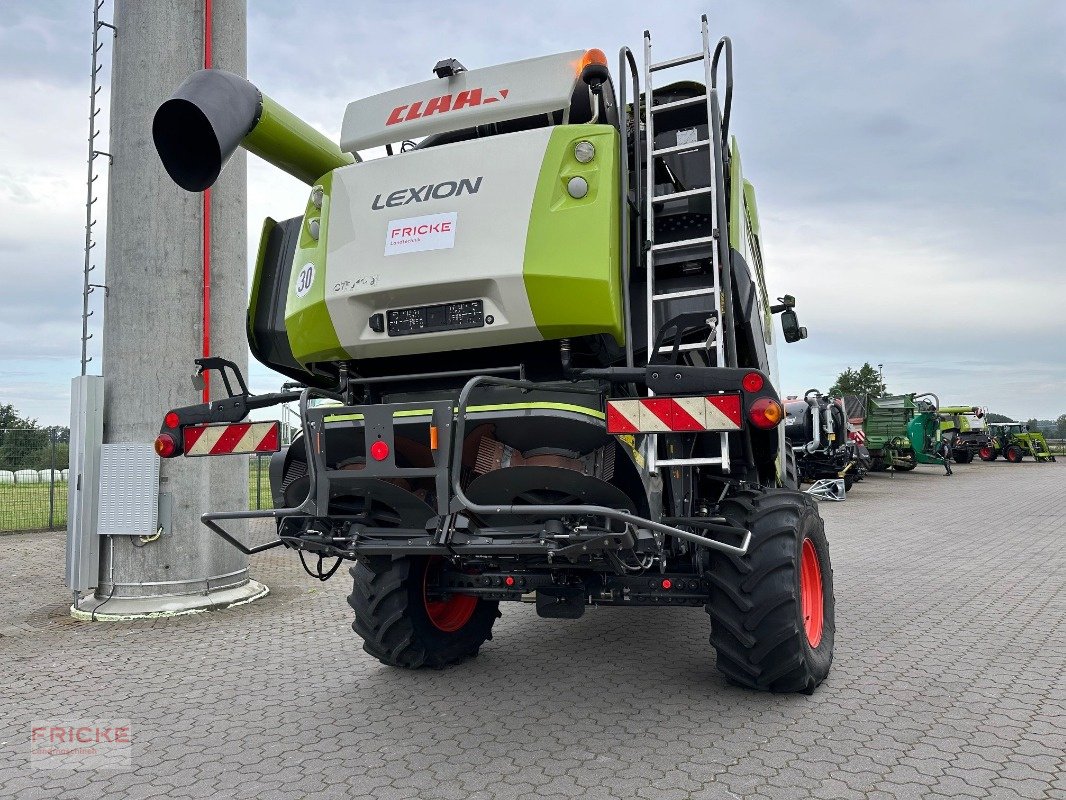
[{"x": 83, "y": 488}]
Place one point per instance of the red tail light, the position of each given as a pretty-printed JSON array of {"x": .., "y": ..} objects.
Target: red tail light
[
  {"x": 752, "y": 382},
  {"x": 171, "y": 419},
  {"x": 165, "y": 446},
  {"x": 765, "y": 413},
  {"x": 379, "y": 450}
]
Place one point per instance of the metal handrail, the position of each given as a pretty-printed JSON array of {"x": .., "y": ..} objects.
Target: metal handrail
[
  {"x": 624, "y": 55},
  {"x": 591, "y": 510}
]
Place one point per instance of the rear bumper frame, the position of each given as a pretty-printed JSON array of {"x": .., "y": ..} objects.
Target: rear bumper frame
[{"x": 454, "y": 531}]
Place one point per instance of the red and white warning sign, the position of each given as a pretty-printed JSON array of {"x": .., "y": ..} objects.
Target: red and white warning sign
[
  {"x": 227, "y": 439},
  {"x": 716, "y": 412}
]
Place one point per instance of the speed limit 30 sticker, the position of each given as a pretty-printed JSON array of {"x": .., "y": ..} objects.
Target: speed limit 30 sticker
[{"x": 305, "y": 280}]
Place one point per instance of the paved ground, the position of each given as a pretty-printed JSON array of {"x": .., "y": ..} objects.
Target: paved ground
[{"x": 950, "y": 679}]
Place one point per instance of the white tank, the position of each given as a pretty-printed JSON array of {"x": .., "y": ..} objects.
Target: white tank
[
  {"x": 27, "y": 476},
  {"x": 6, "y": 476}
]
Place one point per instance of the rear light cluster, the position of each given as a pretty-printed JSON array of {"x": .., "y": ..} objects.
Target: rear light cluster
[
  {"x": 165, "y": 446},
  {"x": 765, "y": 412},
  {"x": 166, "y": 443}
]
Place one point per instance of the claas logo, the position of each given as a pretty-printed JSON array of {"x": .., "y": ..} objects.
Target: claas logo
[{"x": 443, "y": 104}]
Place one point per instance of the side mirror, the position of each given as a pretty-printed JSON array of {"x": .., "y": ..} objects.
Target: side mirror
[{"x": 790, "y": 326}]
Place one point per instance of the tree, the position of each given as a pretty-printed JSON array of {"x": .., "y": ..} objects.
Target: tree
[
  {"x": 9, "y": 418},
  {"x": 862, "y": 381},
  {"x": 1060, "y": 427},
  {"x": 1033, "y": 425},
  {"x": 26, "y": 445},
  {"x": 992, "y": 416}
]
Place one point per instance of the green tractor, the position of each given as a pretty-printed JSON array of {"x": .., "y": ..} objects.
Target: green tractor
[
  {"x": 544, "y": 324},
  {"x": 903, "y": 431},
  {"x": 1014, "y": 441}
]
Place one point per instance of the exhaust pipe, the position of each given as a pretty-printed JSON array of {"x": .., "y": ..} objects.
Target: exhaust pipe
[{"x": 213, "y": 112}]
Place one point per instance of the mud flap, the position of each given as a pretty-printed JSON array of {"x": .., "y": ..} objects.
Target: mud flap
[{"x": 560, "y": 602}]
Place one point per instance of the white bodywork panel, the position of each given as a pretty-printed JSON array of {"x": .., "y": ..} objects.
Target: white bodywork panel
[
  {"x": 481, "y": 256},
  {"x": 476, "y": 97}
]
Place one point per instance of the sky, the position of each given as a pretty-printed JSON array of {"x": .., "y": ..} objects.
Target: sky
[{"x": 908, "y": 158}]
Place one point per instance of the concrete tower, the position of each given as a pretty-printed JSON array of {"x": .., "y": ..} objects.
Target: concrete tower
[{"x": 153, "y": 326}]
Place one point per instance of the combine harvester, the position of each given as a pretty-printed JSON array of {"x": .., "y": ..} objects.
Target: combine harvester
[
  {"x": 965, "y": 439},
  {"x": 545, "y": 329}
]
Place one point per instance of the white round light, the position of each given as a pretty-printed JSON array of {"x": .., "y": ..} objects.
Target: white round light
[
  {"x": 584, "y": 152},
  {"x": 578, "y": 188},
  {"x": 313, "y": 228},
  {"x": 316, "y": 196}
]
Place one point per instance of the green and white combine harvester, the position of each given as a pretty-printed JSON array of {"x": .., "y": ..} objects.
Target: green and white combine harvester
[
  {"x": 956, "y": 428},
  {"x": 543, "y": 324}
]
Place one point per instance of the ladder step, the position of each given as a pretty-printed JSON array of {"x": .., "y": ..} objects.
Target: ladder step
[
  {"x": 662, "y": 151},
  {"x": 676, "y": 62},
  {"x": 684, "y": 348},
  {"x": 682, "y": 243},
  {"x": 689, "y": 462},
  {"x": 688, "y": 101},
  {"x": 681, "y": 195},
  {"x": 686, "y": 293}
]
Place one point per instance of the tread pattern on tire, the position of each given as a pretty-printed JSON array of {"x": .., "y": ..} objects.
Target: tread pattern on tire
[
  {"x": 395, "y": 629},
  {"x": 756, "y": 625}
]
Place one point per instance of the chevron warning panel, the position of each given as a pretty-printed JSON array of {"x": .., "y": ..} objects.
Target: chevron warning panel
[
  {"x": 717, "y": 412},
  {"x": 227, "y": 439}
]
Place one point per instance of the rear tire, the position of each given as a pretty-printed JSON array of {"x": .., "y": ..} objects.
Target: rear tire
[
  {"x": 963, "y": 456},
  {"x": 987, "y": 453},
  {"x": 401, "y": 628},
  {"x": 772, "y": 611},
  {"x": 1014, "y": 454}
]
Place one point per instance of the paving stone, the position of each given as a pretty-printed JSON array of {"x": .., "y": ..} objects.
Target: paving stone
[{"x": 949, "y": 681}]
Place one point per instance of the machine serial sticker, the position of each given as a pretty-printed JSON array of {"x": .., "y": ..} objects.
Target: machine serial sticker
[
  {"x": 416, "y": 234},
  {"x": 305, "y": 280}
]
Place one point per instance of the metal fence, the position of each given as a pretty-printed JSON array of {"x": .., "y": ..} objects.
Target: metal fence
[
  {"x": 259, "y": 482},
  {"x": 33, "y": 478}
]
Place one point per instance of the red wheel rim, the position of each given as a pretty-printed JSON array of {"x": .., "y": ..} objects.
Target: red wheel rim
[
  {"x": 986, "y": 453},
  {"x": 447, "y": 615},
  {"x": 811, "y": 600}
]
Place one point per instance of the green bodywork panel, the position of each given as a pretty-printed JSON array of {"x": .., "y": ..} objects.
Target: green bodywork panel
[
  {"x": 580, "y": 294},
  {"x": 312, "y": 336},
  {"x": 291, "y": 145},
  {"x": 736, "y": 199},
  {"x": 886, "y": 425},
  {"x": 957, "y": 418}
]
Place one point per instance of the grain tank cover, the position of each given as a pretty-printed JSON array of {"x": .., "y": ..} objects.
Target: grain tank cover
[
  {"x": 472, "y": 97},
  {"x": 475, "y": 244}
]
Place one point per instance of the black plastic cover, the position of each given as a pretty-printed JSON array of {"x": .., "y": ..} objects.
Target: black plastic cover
[{"x": 267, "y": 336}]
